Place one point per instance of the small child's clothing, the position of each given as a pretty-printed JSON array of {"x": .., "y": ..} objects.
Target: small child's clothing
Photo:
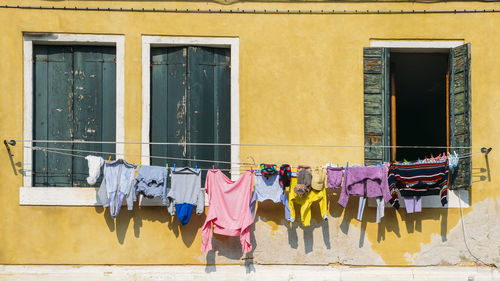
[
  {"x": 117, "y": 185},
  {"x": 413, "y": 204},
  {"x": 334, "y": 177},
  {"x": 306, "y": 202},
  {"x": 268, "y": 188},
  {"x": 95, "y": 164},
  {"x": 151, "y": 181},
  {"x": 185, "y": 190}
]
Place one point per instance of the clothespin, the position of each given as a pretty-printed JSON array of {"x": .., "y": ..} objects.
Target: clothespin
[
  {"x": 375, "y": 164},
  {"x": 251, "y": 169},
  {"x": 109, "y": 159},
  {"x": 406, "y": 161},
  {"x": 166, "y": 166},
  {"x": 174, "y": 166},
  {"x": 365, "y": 164},
  {"x": 337, "y": 165},
  {"x": 347, "y": 166},
  {"x": 330, "y": 164},
  {"x": 381, "y": 166},
  {"x": 213, "y": 167},
  {"x": 432, "y": 158},
  {"x": 426, "y": 159},
  {"x": 140, "y": 163},
  {"x": 196, "y": 168}
]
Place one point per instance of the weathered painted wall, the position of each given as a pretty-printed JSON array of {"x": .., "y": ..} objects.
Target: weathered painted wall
[{"x": 305, "y": 73}]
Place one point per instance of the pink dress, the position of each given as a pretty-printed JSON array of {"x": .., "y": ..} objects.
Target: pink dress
[{"x": 229, "y": 208}]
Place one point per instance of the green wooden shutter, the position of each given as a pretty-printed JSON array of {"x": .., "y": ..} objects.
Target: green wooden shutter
[
  {"x": 74, "y": 99},
  {"x": 94, "y": 104},
  {"x": 53, "y": 113},
  {"x": 190, "y": 102},
  {"x": 460, "y": 113},
  {"x": 168, "y": 104},
  {"x": 376, "y": 104},
  {"x": 209, "y": 104}
]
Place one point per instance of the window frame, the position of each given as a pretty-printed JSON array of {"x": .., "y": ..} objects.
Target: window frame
[
  {"x": 429, "y": 45},
  {"x": 175, "y": 41},
  {"x": 79, "y": 196}
]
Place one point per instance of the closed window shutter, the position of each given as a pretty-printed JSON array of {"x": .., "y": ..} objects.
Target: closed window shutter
[
  {"x": 190, "y": 102},
  {"x": 74, "y": 99},
  {"x": 53, "y": 114},
  {"x": 376, "y": 104},
  {"x": 460, "y": 114}
]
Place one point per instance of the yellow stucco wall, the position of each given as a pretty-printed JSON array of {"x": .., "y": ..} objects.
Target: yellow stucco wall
[{"x": 311, "y": 66}]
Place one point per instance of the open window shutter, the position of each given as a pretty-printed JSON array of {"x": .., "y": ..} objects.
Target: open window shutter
[
  {"x": 460, "y": 113},
  {"x": 376, "y": 104}
]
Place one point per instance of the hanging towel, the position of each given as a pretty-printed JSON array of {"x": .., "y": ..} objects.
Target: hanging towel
[{"x": 229, "y": 208}]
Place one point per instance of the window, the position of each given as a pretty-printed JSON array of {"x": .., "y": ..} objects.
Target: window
[
  {"x": 61, "y": 193},
  {"x": 74, "y": 99},
  {"x": 190, "y": 102},
  {"x": 417, "y": 98},
  {"x": 190, "y": 93}
]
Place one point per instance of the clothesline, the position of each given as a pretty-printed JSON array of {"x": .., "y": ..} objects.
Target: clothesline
[
  {"x": 246, "y": 144},
  {"x": 64, "y": 151}
]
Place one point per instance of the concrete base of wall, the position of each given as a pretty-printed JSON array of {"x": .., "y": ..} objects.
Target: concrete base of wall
[{"x": 249, "y": 272}]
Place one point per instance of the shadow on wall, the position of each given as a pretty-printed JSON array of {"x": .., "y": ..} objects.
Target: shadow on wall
[
  {"x": 121, "y": 224},
  {"x": 274, "y": 214}
]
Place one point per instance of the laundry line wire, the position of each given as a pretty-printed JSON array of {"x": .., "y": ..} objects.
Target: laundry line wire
[
  {"x": 234, "y": 169},
  {"x": 61, "y": 151},
  {"x": 64, "y": 151},
  {"x": 249, "y": 144}
]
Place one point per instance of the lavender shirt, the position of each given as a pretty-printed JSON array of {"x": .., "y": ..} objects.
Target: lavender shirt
[{"x": 370, "y": 181}]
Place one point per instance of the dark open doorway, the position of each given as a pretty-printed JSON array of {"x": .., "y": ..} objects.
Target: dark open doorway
[{"x": 419, "y": 85}]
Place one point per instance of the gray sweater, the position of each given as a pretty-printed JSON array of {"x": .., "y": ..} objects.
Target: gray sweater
[{"x": 185, "y": 187}]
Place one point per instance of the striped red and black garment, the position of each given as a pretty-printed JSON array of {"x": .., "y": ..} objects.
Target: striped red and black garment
[{"x": 420, "y": 179}]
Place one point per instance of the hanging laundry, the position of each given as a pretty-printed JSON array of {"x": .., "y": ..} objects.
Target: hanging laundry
[
  {"x": 418, "y": 180},
  {"x": 151, "y": 182},
  {"x": 117, "y": 185},
  {"x": 185, "y": 193},
  {"x": 268, "y": 169},
  {"x": 306, "y": 202},
  {"x": 285, "y": 175},
  {"x": 95, "y": 164},
  {"x": 318, "y": 178},
  {"x": 413, "y": 204},
  {"x": 304, "y": 179},
  {"x": 366, "y": 182},
  {"x": 229, "y": 208},
  {"x": 268, "y": 188},
  {"x": 334, "y": 177}
]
